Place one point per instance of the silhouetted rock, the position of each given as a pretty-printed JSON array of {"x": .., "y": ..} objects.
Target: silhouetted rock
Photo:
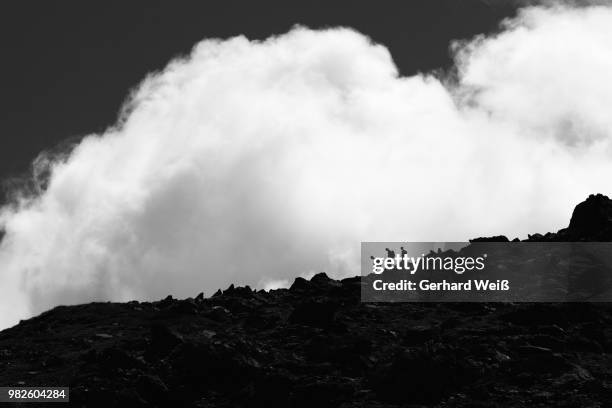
[
  {"x": 167, "y": 301},
  {"x": 238, "y": 291},
  {"x": 497, "y": 238},
  {"x": 320, "y": 278},
  {"x": 592, "y": 218},
  {"x": 591, "y": 221},
  {"x": 300, "y": 284}
]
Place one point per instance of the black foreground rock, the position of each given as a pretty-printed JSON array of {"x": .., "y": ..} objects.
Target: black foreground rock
[{"x": 317, "y": 345}]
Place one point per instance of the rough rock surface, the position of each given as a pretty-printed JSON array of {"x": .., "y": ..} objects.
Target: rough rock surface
[{"x": 317, "y": 345}]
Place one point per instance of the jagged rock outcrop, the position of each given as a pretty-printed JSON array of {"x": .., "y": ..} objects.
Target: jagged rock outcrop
[{"x": 592, "y": 219}]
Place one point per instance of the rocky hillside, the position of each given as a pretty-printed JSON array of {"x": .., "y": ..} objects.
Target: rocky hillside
[{"x": 317, "y": 345}]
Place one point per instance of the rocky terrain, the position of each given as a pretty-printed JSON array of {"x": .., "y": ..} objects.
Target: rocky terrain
[{"x": 317, "y": 345}]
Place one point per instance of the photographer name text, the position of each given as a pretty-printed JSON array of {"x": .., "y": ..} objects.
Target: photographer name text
[{"x": 427, "y": 285}]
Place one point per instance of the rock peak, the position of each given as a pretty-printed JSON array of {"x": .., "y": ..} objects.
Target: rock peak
[{"x": 592, "y": 217}]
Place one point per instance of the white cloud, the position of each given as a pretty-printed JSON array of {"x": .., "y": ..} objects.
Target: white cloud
[{"x": 275, "y": 159}]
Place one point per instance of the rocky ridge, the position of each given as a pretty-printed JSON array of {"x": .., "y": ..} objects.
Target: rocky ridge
[{"x": 317, "y": 344}]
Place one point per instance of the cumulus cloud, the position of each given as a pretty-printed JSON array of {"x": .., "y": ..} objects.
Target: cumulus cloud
[{"x": 254, "y": 162}]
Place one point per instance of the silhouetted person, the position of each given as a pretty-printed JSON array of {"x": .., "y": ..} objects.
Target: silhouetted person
[
  {"x": 404, "y": 252},
  {"x": 390, "y": 253}
]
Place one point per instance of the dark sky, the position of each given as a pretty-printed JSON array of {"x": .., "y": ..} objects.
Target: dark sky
[{"x": 67, "y": 65}]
